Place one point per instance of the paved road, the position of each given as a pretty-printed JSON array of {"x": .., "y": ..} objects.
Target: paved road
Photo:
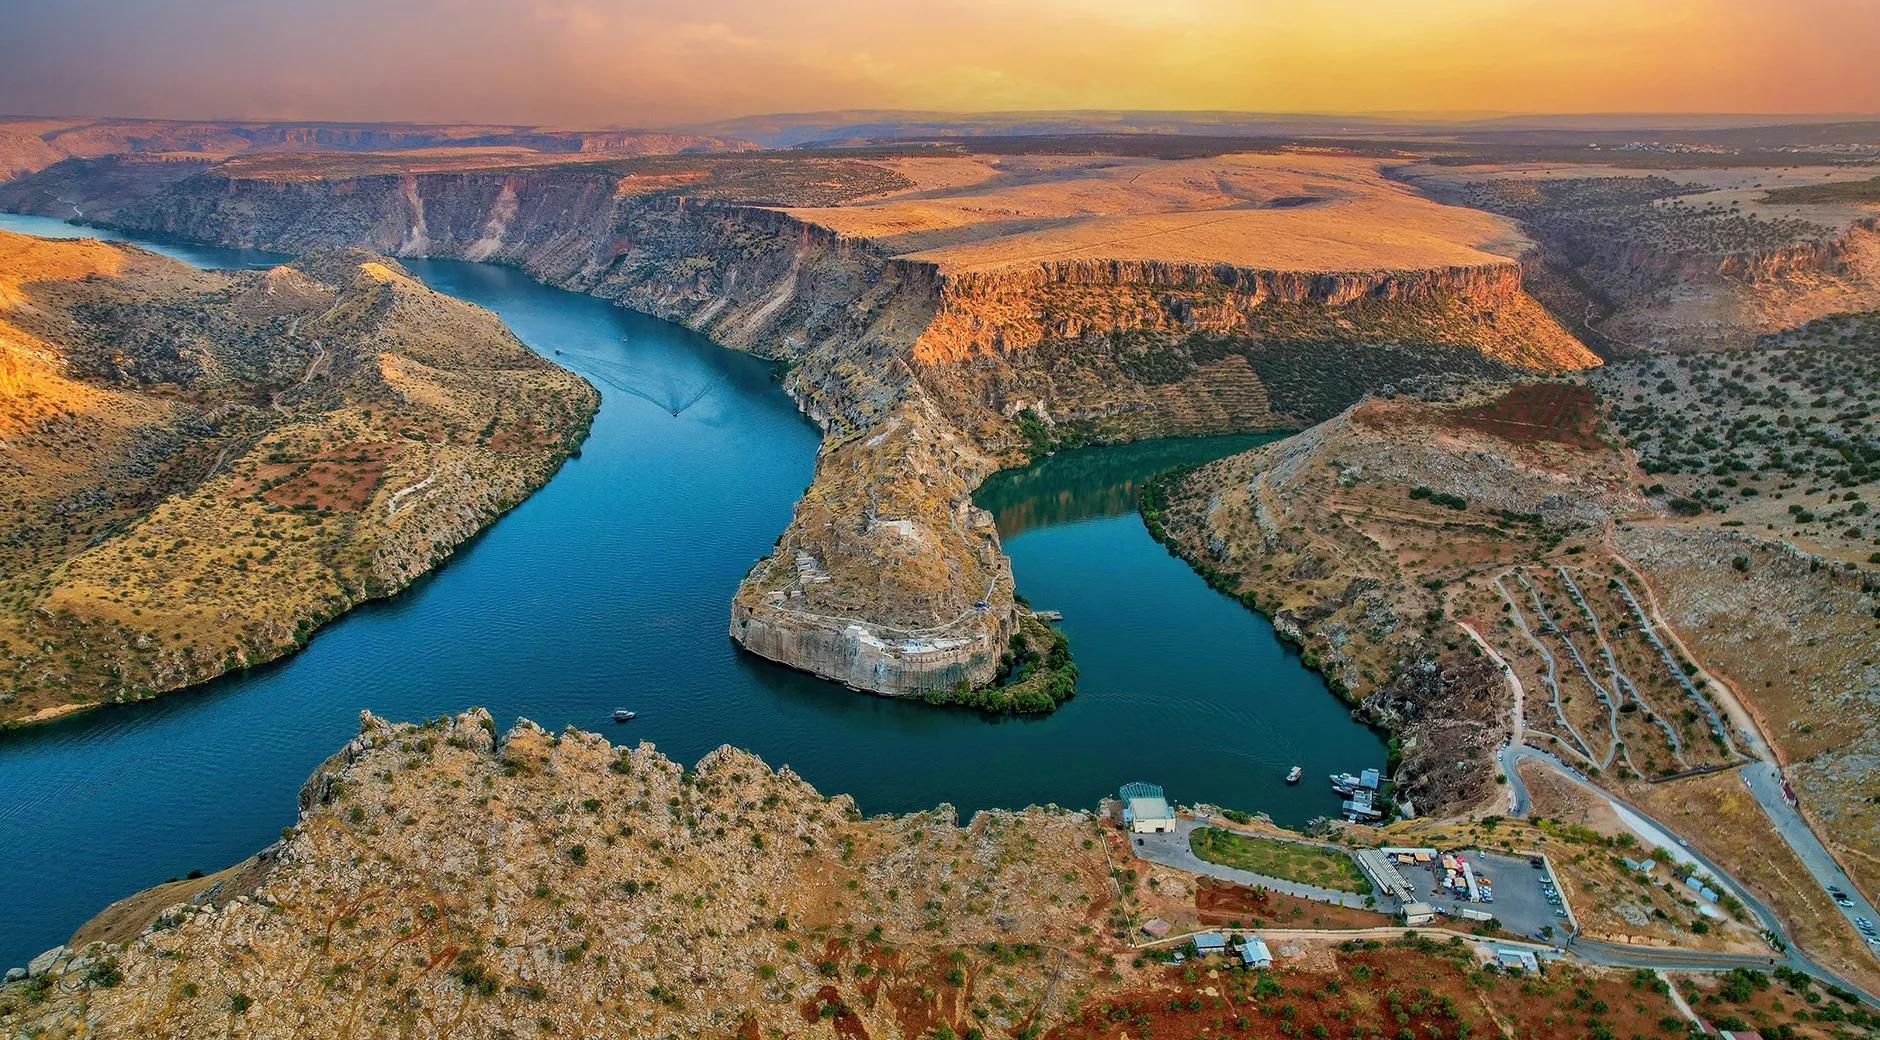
[
  {"x": 1764, "y": 781},
  {"x": 1763, "y": 777},
  {"x": 1650, "y": 957},
  {"x": 1171, "y": 850},
  {"x": 1519, "y": 803}
]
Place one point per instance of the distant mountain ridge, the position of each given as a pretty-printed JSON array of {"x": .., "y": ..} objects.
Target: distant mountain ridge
[
  {"x": 29, "y": 143},
  {"x": 849, "y": 126}
]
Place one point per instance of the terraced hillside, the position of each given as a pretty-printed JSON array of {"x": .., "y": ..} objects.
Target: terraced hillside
[
  {"x": 1358, "y": 535},
  {"x": 1499, "y": 569},
  {"x": 201, "y": 467}
]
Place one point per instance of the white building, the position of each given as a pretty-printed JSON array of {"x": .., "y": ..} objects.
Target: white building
[{"x": 1146, "y": 809}]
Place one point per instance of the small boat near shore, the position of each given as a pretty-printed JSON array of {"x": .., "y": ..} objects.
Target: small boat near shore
[
  {"x": 623, "y": 715},
  {"x": 1293, "y": 776}
]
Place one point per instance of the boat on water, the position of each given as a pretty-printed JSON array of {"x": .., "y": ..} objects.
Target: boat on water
[
  {"x": 1293, "y": 776},
  {"x": 623, "y": 715}
]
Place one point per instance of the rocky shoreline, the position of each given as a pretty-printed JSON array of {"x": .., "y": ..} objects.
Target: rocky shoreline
[{"x": 397, "y": 423}]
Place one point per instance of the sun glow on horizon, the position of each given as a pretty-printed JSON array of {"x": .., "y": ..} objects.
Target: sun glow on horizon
[{"x": 661, "y": 62}]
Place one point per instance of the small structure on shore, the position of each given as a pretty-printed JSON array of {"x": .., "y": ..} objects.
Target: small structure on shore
[
  {"x": 1361, "y": 807},
  {"x": 1415, "y": 914},
  {"x": 1513, "y": 958},
  {"x": 1146, "y": 809}
]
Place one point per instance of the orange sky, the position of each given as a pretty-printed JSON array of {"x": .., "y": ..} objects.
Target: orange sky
[{"x": 654, "y": 62}]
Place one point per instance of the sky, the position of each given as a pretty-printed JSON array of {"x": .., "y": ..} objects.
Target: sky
[{"x": 669, "y": 62}]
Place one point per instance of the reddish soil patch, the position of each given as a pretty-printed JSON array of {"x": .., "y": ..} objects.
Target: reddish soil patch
[
  {"x": 1221, "y": 903},
  {"x": 1538, "y": 412},
  {"x": 1426, "y": 989},
  {"x": 829, "y": 1004},
  {"x": 343, "y": 479},
  {"x": 517, "y": 437}
]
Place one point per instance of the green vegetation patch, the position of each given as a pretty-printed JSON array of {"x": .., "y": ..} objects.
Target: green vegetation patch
[
  {"x": 1843, "y": 191},
  {"x": 1036, "y": 676},
  {"x": 1291, "y": 861}
]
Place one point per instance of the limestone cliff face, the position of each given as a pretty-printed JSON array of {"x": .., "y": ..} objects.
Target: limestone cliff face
[
  {"x": 1629, "y": 271},
  {"x": 1105, "y": 350},
  {"x": 1822, "y": 256},
  {"x": 924, "y": 380},
  {"x": 916, "y": 595}
]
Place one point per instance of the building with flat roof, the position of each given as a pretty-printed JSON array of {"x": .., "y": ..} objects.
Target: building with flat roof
[
  {"x": 1418, "y": 913},
  {"x": 1146, "y": 809},
  {"x": 1513, "y": 958},
  {"x": 1210, "y": 942}
]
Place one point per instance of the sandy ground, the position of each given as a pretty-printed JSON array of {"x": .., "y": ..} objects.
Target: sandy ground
[{"x": 1276, "y": 212}]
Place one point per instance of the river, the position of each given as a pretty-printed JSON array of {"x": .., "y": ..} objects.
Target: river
[{"x": 611, "y": 587}]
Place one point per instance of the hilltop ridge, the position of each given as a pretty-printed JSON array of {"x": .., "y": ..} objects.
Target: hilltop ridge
[{"x": 202, "y": 466}]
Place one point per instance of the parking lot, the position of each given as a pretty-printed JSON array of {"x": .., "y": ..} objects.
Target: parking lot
[{"x": 1520, "y": 904}]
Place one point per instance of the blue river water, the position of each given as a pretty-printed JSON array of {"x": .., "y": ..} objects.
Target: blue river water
[{"x": 611, "y": 587}]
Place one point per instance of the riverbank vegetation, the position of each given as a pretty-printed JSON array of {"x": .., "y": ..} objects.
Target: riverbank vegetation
[
  {"x": 1036, "y": 675},
  {"x": 1288, "y": 860}
]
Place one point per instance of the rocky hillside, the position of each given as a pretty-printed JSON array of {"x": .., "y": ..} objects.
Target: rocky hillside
[
  {"x": 924, "y": 377},
  {"x": 202, "y": 467},
  {"x": 1357, "y": 536},
  {"x": 442, "y": 880},
  {"x": 1500, "y": 568}
]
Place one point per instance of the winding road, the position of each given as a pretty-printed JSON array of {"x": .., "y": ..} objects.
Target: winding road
[
  {"x": 1762, "y": 774},
  {"x": 1684, "y": 960}
]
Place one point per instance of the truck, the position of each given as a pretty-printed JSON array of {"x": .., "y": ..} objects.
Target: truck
[{"x": 1472, "y": 914}]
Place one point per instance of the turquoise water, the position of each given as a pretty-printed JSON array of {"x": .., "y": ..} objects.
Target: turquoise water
[{"x": 611, "y": 588}]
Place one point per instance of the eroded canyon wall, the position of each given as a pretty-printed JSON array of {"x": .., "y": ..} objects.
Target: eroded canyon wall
[{"x": 923, "y": 380}]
